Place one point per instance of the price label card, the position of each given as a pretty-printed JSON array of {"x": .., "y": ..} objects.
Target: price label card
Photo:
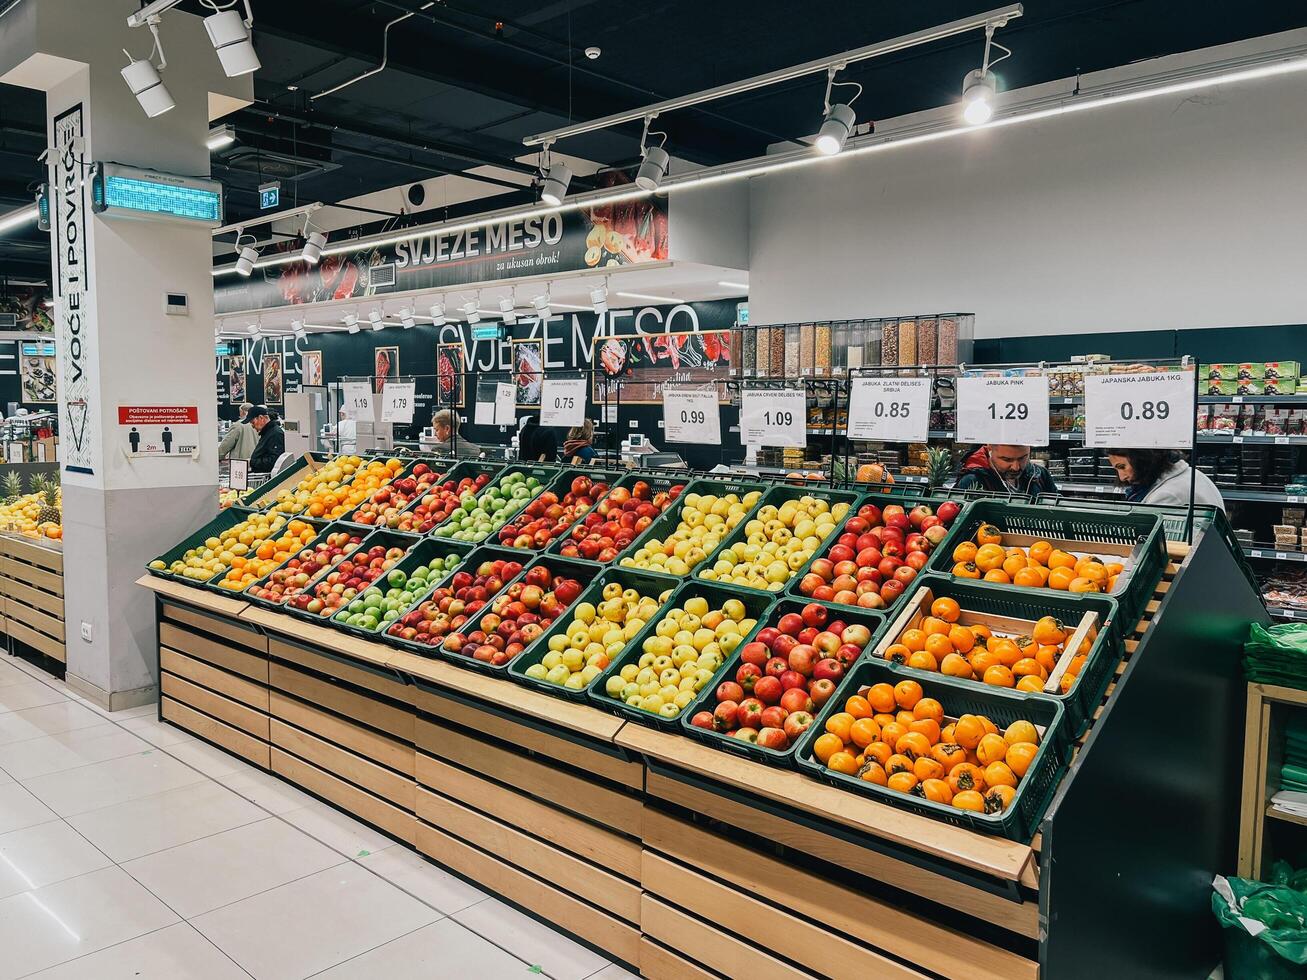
[
  {"x": 774, "y": 418},
  {"x": 890, "y": 409},
  {"x": 1140, "y": 411},
  {"x": 14, "y": 452},
  {"x": 692, "y": 416},
  {"x": 238, "y": 477},
  {"x": 562, "y": 401},
  {"x": 397, "y": 402},
  {"x": 356, "y": 401},
  {"x": 505, "y": 403},
  {"x": 1003, "y": 411}
]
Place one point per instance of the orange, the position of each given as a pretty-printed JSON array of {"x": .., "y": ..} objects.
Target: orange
[
  {"x": 1083, "y": 584},
  {"x": 923, "y": 660},
  {"x": 929, "y": 708},
  {"x": 1028, "y": 578},
  {"x": 913, "y": 745},
  {"x": 999, "y": 798},
  {"x": 939, "y": 645},
  {"x": 955, "y": 665},
  {"x": 858, "y": 706},
  {"x": 907, "y": 694},
  {"x": 998, "y": 576},
  {"x": 999, "y": 676},
  {"x": 873, "y": 772},
  {"x": 897, "y": 653},
  {"x": 1061, "y": 559},
  {"x": 963, "y": 553},
  {"x": 936, "y": 790},
  {"x": 988, "y": 534},
  {"x": 961, "y": 638},
  {"x": 903, "y": 782},
  {"x": 992, "y": 748},
  {"x": 998, "y": 774},
  {"x": 839, "y": 724},
  {"x": 946, "y": 609},
  {"x": 1060, "y": 578},
  {"x": 969, "y": 800},
  {"x": 968, "y": 731},
  {"x": 1019, "y": 757},
  {"x": 933, "y": 625},
  {"x": 898, "y": 763},
  {"x": 926, "y": 726},
  {"x": 843, "y": 762},
  {"x": 1031, "y": 682},
  {"x": 913, "y": 639},
  {"x": 989, "y": 556},
  {"x": 966, "y": 570},
  {"x": 881, "y": 697},
  {"x": 864, "y": 731},
  {"x": 1039, "y": 551},
  {"x": 826, "y": 746}
]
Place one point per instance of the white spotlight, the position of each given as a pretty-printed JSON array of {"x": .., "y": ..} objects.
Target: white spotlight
[
  {"x": 144, "y": 81},
  {"x": 599, "y": 299},
  {"x": 554, "y": 188},
  {"x": 437, "y": 314},
  {"x": 313, "y": 247},
  {"x": 378, "y": 319},
  {"x": 978, "y": 96},
  {"x": 471, "y": 313},
  {"x": 507, "y": 309},
  {"x": 352, "y": 321},
  {"x": 835, "y": 129},
  {"x": 230, "y": 36},
  {"x": 653, "y": 169},
  {"x": 298, "y": 327},
  {"x": 406, "y": 318},
  {"x": 220, "y": 136},
  {"x": 253, "y": 328},
  {"x": 541, "y": 304},
  {"x": 245, "y": 263}
]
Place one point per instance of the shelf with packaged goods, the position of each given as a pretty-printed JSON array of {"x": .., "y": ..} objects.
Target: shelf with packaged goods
[{"x": 1275, "y": 554}]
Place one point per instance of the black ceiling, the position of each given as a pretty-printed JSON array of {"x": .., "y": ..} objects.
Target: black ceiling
[{"x": 466, "y": 81}]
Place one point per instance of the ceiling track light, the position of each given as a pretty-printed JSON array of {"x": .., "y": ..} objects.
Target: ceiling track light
[
  {"x": 472, "y": 310},
  {"x": 599, "y": 298},
  {"x": 556, "y": 176},
  {"x": 837, "y": 120},
  {"x": 654, "y": 160},
  {"x": 143, "y": 78},
  {"x": 297, "y": 326},
  {"x": 407, "y": 318},
  {"x": 220, "y": 136},
  {"x": 541, "y": 304},
  {"x": 378, "y": 319},
  {"x": 351, "y": 320},
  {"x": 980, "y": 85},
  {"x": 438, "y": 313},
  {"x": 229, "y": 34},
  {"x": 314, "y": 242},
  {"x": 253, "y": 329},
  {"x": 508, "y": 310},
  {"x": 246, "y": 257}
]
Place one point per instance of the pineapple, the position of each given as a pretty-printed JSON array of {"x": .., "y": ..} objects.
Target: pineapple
[
  {"x": 11, "y": 487},
  {"x": 939, "y": 466},
  {"x": 48, "y": 492}
]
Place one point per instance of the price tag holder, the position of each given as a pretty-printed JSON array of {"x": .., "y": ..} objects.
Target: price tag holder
[
  {"x": 1003, "y": 411},
  {"x": 1140, "y": 411},
  {"x": 890, "y": 409},
  {"x": 397, "y": 402},
  {"x": 505, "y": 404},
  {"x": 357, "y": 401},
  {"x": 774, "y": 418},
  {"x": 562, "y": 401},
  {"x": 238, "y": 477},
  {"x": 692, "y": 416}
]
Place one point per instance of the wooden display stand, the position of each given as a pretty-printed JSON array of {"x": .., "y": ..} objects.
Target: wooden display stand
[
  {"x": 1265, "y": 833},
  {"x": 32, "y": 593},
  {"x": 686, "y": 861}
]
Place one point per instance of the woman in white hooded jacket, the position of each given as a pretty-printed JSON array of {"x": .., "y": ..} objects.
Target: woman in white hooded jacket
[{"x": 1162, "y": 476}]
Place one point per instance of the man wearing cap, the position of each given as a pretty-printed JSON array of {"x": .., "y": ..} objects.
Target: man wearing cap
[{"x": 272, "y": 440}]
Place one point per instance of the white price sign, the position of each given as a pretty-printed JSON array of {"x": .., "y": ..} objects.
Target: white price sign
[
  {"x": 773, "y": 418},
  {"x": 238, "y": 477},
  {"x": 1140, "y": 411},
  {"x": 562, "y": 401},
  {"x": 505, "y": 403},
  {"x": 397, "y": 402},
  {"x": 356, "y": 401},
  {"x": 1003, "y": 411},
  {"x": 692, "y": 416},
  {"x": 890, "y": 409}
]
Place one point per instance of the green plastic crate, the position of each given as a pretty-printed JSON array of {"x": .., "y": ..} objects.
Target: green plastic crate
[
  {"x": 1139, "y": 528},
  {"x": 386, "y": 539},
  {"x": 1035, "y": 791},
  {"x": 265, "y": 494},
  {"x": 560, "y": 486},
  {"x": 457, "y": 471},
  {"x": 544, "y": 474},
  {"x": 475, "y": 558},
  {"x": 405, "y": 472},
  {"x": 660, "y": 484},
  {"x": 583, "y": 572},
  {"x": 775, "y": 497},
  {"x": 1032, "y": 604},
  {"x": 421, "y": 553},
  {"x": 226, "y": 519},
  {"x": 706, "y": 701},
  {"x": 335, "y": 527},
  {"x": 648, "y": 583},
  {"x": 756, "y": 604}
]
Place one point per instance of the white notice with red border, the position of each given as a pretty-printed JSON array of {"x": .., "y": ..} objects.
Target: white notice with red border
[{"x": 161, "y": 431}]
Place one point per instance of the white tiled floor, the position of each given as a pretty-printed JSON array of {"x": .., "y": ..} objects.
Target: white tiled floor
[{"x": 129, "y": 849}]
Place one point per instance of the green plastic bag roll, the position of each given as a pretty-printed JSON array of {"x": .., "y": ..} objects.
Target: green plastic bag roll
[{"x": 1265, "y": 925}]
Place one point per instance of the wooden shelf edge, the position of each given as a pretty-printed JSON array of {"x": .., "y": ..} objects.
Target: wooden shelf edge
[
  {"x": 1275, "y": 814},
  {"x": 1274, "y": 692},
  {"x": 192, "y": 596},
  {"x": 324, "y": 637}
]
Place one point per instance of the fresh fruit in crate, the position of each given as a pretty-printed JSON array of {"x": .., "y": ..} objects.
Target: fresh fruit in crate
[
  {"x": 879, "y": 552},
  {"x": 376, "y": 606},
  {"x": 517, "y": 617},
  {"x": 264, "y": 554},
  {"x": 617, "y": 520},
  {"x": 979, "y": 653},
  {"x": 779, "y": 541},
  {"x": 893, "y": 736},
  {"x": 476, "y": 518},
  {"x": 785, "y": 673},
  {"x": 347, "y": 580},
  {"x": 294, "y": 577},
  {"x": 318, "y": 488},
  {"x": 449, "y": 607},
  {"x": 1039, "y": 566},
  {"x": 216, "y": 554},
  {"x": 547, "y": 517},
  {"x": 595, "y": 637},
  {"x": 38, "y": 514},
  {"x": 440, "y": 501},
  {"x": 706, "y": 520},
  {"x": 386, "y": 505},
  {"x": 228, "y": 497},
  {"x": 687, "y": 647}
]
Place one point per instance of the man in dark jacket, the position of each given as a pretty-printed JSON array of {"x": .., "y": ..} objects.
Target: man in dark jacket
[
  {"x": 272, "y": 440},
  {"x": 1004, "y": 469}
]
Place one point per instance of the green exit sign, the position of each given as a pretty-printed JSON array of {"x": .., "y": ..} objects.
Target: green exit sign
[{"x": 488, "y": 332}]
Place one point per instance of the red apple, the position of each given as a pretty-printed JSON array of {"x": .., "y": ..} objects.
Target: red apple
[
  {"x": 773, "y": 738},
  {"x": 831, "y": 670},
  {"x": 768, "y": 690},
  {"x": 792, "y": 679},
  {"x": 947, "y": 511},
  {"x": 726, "y": 716},
  {"x": 749, "y": 713},
  {"x": 746, "y": 735},
  {"x": 813, "y": 614},
  {"x": 755, "y": 653},
  {"x": 802, "y": 659},
  {"x": 796, "y": 723},
  {"x": 790, "y": 624},
  {"x": 730, "y": 691},
  {"x": 773, "y": 716},
  {"x": 820, "y": 691},
  {"x": 795, "y": 699},
  {"x": 747, "y": 676},
  {"x": 857, "y": 634}
]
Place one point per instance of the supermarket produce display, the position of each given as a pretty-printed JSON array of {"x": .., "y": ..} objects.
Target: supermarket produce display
[{"x": 547, "y": 723}]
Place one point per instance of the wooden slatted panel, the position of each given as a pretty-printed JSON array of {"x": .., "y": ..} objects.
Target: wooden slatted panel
[
  {"x": 619, "y": 854},
  {"x": 357, "y": 676},
  {"x": 35, "y": 619},
  {"x": 51, "y": 559},
  {"x": 391, "y": 786},
  {"x": 575, "y": 793},
  {"x": 558, "y": 866},
  {"x": 51, "y": 582},
  {"x": 226, "y": 628},
  {"x": 552, "y": 904},
  {"x": 39, "y": 641},
  {"x": 563, "y": 750},
  {"x": 846, "y": 912},
  {"x": 660, "y": 963},
  {"x": 28, "y": 596},
  {"x": 361, "y": 804},
  {"x": 719, "y": 951},
  {"x": 362, "y": 708},
  {"x": 372, "y": 745},
  {"x": 234, "y": 659},
  {"x": 214, "y": 679},
  {"x": 233, "y": 740},
  {"x": 224, "y": 709}
]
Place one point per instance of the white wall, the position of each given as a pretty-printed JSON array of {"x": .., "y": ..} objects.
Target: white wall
[{"x": 1170, "y": 212}]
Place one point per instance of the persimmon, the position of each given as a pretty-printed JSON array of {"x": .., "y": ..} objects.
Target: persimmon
[
  {"x": 946, "y": 733},
  {"x": 968, "y": 731},
  {"x": 904, "y": 717},
  {"x": 882, "y": 718},
  {"x": 966, "y": 570},
  {"x": 998, "y": 577},
  {"x": 1083, "y": 584},
  {"x": 998, "y": 774},
  {"x": 948, "y": 754},
  {"x": 936, "y": 790},
  {"x": 1020, "y": 731},
  {"x": 1028, "y": 578},
  {"x": 1047, "y": 656},
  {"x": 988, "y": 534},
  {"x": 1040, "y": 551},
  {"x": 923, "y": 660},
  {"x": 955, "y": 665},
  {"x": 988, "y": 557},
  {"x": 1060, "y": 578},
  {"x": 1027, "y": 666},
  {"x": 988, "y": 725},
  {"x": 1000, "y": 676},
  {"x": 924, "y": 767},
  {"x": 999, "y": 798},
  {"x": 898, "y": 763},
  {"x": 912, "y": 744},
  {"x": 1094, "y": 571},
  {"x": 992, "y": 748},
  {"x": 946, "y": 608},
  {"x": 1058, "y": 558},
  {"x": 1019, "y": 757},
  {"x": 902, "y": 782},
  {"x": 1029, "y": 683},
  {"x": 839, "y": 724},
  {"x": 1005, "y": 649},
  {"x": 932, "y": 625},
  {"x": 969, "y": 800},
  {"x": 873, "y": 772},
  {"x": 982, "y": 660},
  {"x": 961, "y": 638},
  {"x": 914, "y": 640},
  {"x": 1013, "y": 564},
  {"x": 881, "y": 697},
  {"x": 907, "y": 694},
  {"x": 826, "y": 746},
  {"x": 897, "y": 653},
  {"x": 929, "y": 708},
  {"x": 858, "y": 706},
  {"x": 863, "y": 732},
  {"x": 938, "y": 645},
  {"x": 964, "y": 552},
  {"x": 1067, "y": 682},
  {"x": 1049, "y": 630},
  {"x": 843, "y": 762},
  {"x": 965, "y": 776},
  {"x": 878, "y": 752},
  {"x": 892, "y": 732},
  {"x": 928, "y": 727},
  {"x": 981, "y": 631}
]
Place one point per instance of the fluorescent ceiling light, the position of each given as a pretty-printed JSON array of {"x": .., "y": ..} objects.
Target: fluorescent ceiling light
[
  {"x": 220, "y": 136},
  {"x": 16, "y": 219},
  {"x": 654, "y": 299},
  {"x": 1048, "y": 107},
  {"x": 734, "y": 285}
]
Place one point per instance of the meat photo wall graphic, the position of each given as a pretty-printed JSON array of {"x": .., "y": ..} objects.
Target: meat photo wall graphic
[
  {"x": 311, "y": 368},
  {"x": 273, "y": 381},
  {"x": 646, "y": 362},
  {"x": 450, "y": 375},
  {"x": 528, "y": 371},
  {"x": 236, "y": 379},
  {"x": 385, "y": 366}
]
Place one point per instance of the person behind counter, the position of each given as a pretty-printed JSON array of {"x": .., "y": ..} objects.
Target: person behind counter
[
  {"x": 579, "y": 442},
  {"x": 1161, "y": 476},
  {"x": 240, "y": 440},
  {"x": 536, "y": 444},
  {"x": 442, "y": 424},
  {"x": 272, "y": 440},
  {"x": 346, "y": 434}
]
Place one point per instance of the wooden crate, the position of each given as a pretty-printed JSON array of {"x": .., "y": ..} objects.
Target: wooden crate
[{"x": 32, "y": 588}]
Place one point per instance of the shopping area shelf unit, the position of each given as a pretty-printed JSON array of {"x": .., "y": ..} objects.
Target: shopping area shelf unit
[
  {"x": 683, "y": 860},
  {"x": 1266, "y": 833},
  {"x": 32, "y": 594}
]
